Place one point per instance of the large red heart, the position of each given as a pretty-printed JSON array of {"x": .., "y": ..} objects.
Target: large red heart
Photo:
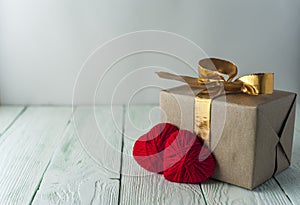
[
  {"x": 187, "y": 159},
  {"x": 149, "y": 149},
  {"x": 178, "y": 154}
]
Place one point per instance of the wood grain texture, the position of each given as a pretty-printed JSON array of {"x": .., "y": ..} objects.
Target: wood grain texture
[
  {"x": 8, "y": 115},
  {"x": 154, "y": 189},
  {"x": 222, "y": 193},
  {"x": 25, "y": 150},
  {"x": 297, "y": 123},
  {"x": 139, "y": 186},
  {"x": 73, "y": 177},
  {"x": 289, "y": 179},
  {"x": 100, "y": 133}
]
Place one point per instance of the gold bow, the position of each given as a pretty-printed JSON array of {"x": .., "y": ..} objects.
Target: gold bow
[{"x": 213, "y": 84}]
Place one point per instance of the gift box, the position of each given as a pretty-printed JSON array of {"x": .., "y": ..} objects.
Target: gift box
[{"x": 250, "y": 135}]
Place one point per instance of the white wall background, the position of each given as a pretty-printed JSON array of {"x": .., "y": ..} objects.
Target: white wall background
[{"x": 44, "y": 43}]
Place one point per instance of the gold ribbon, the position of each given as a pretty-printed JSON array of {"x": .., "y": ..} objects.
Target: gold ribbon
[{"x": 213, "y": 84}]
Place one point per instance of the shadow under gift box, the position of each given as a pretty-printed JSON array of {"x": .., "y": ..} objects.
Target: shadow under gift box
[{"x": 251, "y": 136}]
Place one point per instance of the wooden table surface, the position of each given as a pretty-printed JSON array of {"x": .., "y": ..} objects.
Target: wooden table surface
[{"x": 64, "y": 155}]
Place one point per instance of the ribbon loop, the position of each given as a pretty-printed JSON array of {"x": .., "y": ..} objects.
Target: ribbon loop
[
  {"x": 210, "y": 67},
  {"x": 210, "y": 75},
  {"x": 213, "y": 84}
]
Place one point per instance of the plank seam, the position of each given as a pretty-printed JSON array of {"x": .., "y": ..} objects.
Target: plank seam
[
  {"x": 204, "y": 198},
  {"x": 114, "y": 179},
  {"x": 122, "y": 148},
  {"x": 51, "y": 159},
  {"x": 283, "y": 190},
  {"x": 95, "y": 194},
  {"x": 40, "y": 182},
  {"x": 14, "y": 120}
]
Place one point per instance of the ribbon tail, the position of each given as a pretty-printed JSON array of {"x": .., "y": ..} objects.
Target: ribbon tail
[
  {"x": 193, "y": 82},
  {"x": 257, "y": 83}
]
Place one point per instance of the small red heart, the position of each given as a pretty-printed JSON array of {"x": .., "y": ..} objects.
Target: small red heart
[
  {"x": 148, "y": 150},
  {"x": 187, "y": 159}
]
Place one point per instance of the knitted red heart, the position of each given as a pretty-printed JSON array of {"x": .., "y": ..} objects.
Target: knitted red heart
[
  {"x": 148, "y": 150},
  {"x": 187, "y": 159}
]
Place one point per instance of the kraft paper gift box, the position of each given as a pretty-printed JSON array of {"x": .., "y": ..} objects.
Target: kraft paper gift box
[{"x": 251, "y": 142}]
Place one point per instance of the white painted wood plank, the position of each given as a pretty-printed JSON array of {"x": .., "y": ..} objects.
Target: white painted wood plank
[
  {"x": 25, "y": 150},
  {"x": 100, "y": 133},
  {"x": 7, "y": 115},
  {"x": 297, "y": 123},
  {"x": 73, "y": 177},
  {"x": 222, "y": 193},
  {"x": 289, "y": 179},
  {"x": 139, "y": 186},
  {"x": 98, "y": 188},
  {"x": 296, "y": 145},
  {"x": 154, "y": 189}
]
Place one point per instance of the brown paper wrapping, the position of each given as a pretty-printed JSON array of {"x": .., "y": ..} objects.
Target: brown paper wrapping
[{"x": 251, "y": 136}]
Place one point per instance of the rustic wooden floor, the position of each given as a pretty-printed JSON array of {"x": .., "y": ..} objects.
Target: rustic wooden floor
[{"x": 60, "y": 155}]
